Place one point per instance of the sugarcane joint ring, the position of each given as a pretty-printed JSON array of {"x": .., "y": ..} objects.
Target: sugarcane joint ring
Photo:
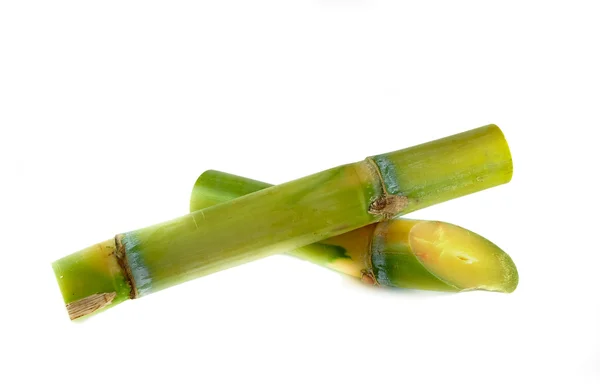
[{"x": 388, "y": 205}]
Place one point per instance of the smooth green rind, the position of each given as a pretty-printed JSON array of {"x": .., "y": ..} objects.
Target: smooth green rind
[
  {"x": 274, "y": 220},
  {"x": 322, "y": 253},
  {"x": 215, "y": 187},
  {"x": 208, "y": 189},
  {"x": 474, "y": 160},
  {"x": 395, "y": 263},
  {"x": 399, "y": 267}
]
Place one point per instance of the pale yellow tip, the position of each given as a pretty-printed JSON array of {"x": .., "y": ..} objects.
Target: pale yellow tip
[{"x": 462, "y": 258}]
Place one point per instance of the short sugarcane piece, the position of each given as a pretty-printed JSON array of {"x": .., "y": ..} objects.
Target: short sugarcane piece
[
  {"x": 281, "y": 218},
  {"x": 425, "y": 255}
]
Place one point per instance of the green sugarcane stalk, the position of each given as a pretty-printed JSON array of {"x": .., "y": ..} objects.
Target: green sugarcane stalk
[
  {"x": 281, "y": 218},
  {"x": 424, "y": 255}
]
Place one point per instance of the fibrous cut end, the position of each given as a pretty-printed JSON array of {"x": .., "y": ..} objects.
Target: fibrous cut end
[
  {"x": 91, "y": 280},
  {"x": 462, "y": 258}
]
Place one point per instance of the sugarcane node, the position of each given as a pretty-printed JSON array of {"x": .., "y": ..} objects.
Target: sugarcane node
[
  {"x": 121, "y": 256},
  {"x": 388, "y": 205},
  {"x": 368, "y": 278}
]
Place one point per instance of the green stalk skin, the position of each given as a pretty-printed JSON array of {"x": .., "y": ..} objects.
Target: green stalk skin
[
  {"x": 284, "y": 217},
  {"x": 405, "y": 253}
]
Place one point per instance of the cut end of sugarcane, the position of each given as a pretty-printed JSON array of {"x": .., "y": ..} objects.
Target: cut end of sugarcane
[
  {"x": 462, "y": 258},
  {"x": 501, "y": 147},
  {"x": 90, "y": 304},
  {"x": 91, "y": 280}
]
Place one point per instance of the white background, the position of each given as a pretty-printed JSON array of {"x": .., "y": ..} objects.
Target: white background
[{"x": 109, "y": 110}]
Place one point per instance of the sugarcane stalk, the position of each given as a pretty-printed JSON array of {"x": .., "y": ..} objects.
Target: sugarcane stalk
[
  {"x": 282, "y": 218},
  {"x": 425, "y": 255}
]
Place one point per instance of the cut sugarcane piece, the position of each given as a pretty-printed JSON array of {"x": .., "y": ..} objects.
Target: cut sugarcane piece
[
  {"x": 462, "y": 258},
  {"x": 405, "y": 253},
  {"x": 287, "y": 216},
  {"x": 92, "y": 279}
]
